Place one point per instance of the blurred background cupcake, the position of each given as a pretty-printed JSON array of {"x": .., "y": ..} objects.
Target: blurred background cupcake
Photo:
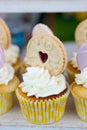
[
  {"x": 8, "y": 84},
  {"x": 80, "y": 39},
  {"x": 79, "y": 87}
]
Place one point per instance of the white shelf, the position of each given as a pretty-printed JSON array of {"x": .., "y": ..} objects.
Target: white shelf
[
  {"x": 43, "y": 5},
  {"x": 70, "y": 119}
]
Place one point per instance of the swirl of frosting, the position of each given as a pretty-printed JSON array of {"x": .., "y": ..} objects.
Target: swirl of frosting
[
  {"x": 38, "y": 82},
  {"x": 6, "y": 74},
  {"x": 81, "y": 79},
  {"x": 11, "y": 54},
  {"x": 74, "y": 61}
]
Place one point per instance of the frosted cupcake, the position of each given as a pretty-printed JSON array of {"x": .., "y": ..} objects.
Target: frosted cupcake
[
  {"x": 8, "y": 84},
  {"x": 79, "y": 87},
  {"x": 11, "y": 51},
  {"x": 80, "y": 38},
  {"x": 43, "y": 93},
  {"x": 72, "y": 68}
]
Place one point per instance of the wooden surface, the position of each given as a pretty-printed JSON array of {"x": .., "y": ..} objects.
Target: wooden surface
[
  {"x": 43, "y": 5},
  {"x": 70, "y": 119}
]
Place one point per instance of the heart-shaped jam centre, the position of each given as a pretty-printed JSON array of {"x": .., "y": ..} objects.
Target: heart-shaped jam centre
[{"x": 43, "y": 56}]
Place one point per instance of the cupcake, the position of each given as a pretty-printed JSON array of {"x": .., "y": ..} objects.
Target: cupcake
[
  {"x": 79, "y": 87},
  {"x": 72, "y": 68},
  {"x": 80, "y": 38},
  {"x": 37, "y": 30},
  {"x": 8, "y": 83},
  {"x": 43, "y": 93},
  {"x": 11, "y": 51}
]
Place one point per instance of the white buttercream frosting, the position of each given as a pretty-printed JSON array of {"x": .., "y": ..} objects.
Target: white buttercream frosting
[
  {"x": 6, "y": 74},
  {"x": 81, "y": 79},
  {"x": 38, "y": 82},
  {"x": 12, "y": 54},
  {"x": 74, "y": 60}
]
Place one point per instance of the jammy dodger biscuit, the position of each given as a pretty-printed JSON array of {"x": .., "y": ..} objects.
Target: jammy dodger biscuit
[{"x": 47, "y": 51}]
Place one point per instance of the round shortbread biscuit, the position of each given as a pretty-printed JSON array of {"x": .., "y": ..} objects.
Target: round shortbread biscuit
[
  {"x": 47, "y": 51},
  {"x": 81, "y": 33},
  {"x": 41, "y": 29},
  {"x": 5, "y": 36}
]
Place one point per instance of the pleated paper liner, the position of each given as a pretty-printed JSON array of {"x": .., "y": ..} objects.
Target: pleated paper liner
[
  {"x": 81, "y": 106},
  {"x": 6, "y": 102},
  {"x": 43, "y": 112}
]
